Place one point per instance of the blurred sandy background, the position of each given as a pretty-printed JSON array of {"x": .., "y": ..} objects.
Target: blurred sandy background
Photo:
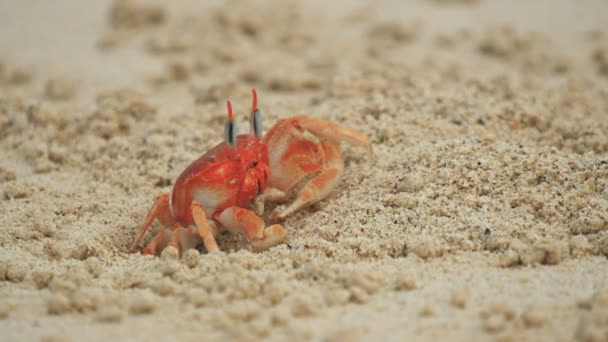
[{"x": 483, "y": 217}]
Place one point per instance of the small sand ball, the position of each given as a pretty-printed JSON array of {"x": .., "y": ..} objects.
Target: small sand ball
[
  {"x": 429, "y": 248},
  {"x": 83, "y": 251},
  {"x": 169, "y": 253},
  {"x": 58, "y": 304},
  {"x": 15, "y": 273},
  {"x": 145, "y": 303},
  {"x": 165, "y": 287},
  {"x": 299, "y": 258},
  {"x": 5, "y": 310},
  {"x": 243, "y": 311},
  {"x": 498, "y": 308},
  {"x": 459, "y": 299},
  {"x": 59, "y": 89},
  {"x": 42, "y": 279},
  {"x": 603, "y": 246},
  {"x": 579, "y": 246},
  {"x": 18, "y": 191},
  {"x": 497, "y": 243},
  {"x": 532, "y": 255},
  {"x": 553, "y": 251},
  {"x": 367, "y": 280},
  {"x": 600, "y": 297},
  {"x": 405, "y": 282},
  {"x": 413, "y": 183},
  {"x": 18, "y": 75},
  {"x": 7, "y": 175},
  {"x": 275, "y": 291},
  {"x": 280, "y": 316},
  {"x": 131, "y": 15},
  {"x": 494, "y": 323},
  {"x": 260, "y": 327},
  {"x": 168, "y": 42},
  {"x": 394, "y": 31},
  {"x": 302, "y": 305},
  {"x": 587, "y": 225},
  {"x": 62, "y": 285},
  {"x": 533, "y": 317},
  {"x": 583, "y": 303},
  {"x": 93, "y": 266},
  {"x": 47, "y": 229},
  {"x": 2, "y": 270},
  {"x": 590, "y": 333},
  {"x": 51, "y": 249},
  {"x": 140, "y": 110},
  {"x": 509, "y": 258},
  {"x": 177, "y": 71},
  {"x": 337, "y": 297},
  {"x": 198, "y": 298},
  {"x": 42, "y": 164},
  {"x": 191, "y": 258},
  {"x": 427, "y": 310},
  {"x": 347, "y": 333},
  {"x": 55, "y": 338},
  {"x": 109, "y": 314},
  {"x": 85, "y": 300},
  {"x": 358, "y": 295},
  {"x": 170, "y": 267}
]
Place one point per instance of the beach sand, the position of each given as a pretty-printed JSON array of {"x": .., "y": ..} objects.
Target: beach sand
[{"x": 483, "y": 215}]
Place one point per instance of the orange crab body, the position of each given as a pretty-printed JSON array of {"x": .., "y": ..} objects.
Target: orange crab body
[
  {"x": 216, "y": 191},
  {"x": 223, "y": 177}
]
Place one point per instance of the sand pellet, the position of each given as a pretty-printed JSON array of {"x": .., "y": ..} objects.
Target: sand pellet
[
  {"x": 144, "y": 303},
  {"x": 15, "y": 273},
  {"x": 42, "y": 279},
  {"x": 191, "y": 258},
  {"x": 58, "y": 304},
  {"x": 109, "y": 314},
  {"x": 405, "y": 282}
]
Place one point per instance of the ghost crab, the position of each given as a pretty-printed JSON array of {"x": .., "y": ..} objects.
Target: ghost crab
[{"x": 216, "y": 192}]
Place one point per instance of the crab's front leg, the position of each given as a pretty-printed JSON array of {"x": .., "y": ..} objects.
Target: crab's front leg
[
  {"x": 245, "y": 221},
  {"x": 206, "y": 228},
  {"x": 182, "y": 238}
]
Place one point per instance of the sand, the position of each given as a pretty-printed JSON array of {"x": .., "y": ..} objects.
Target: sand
[{"x": 484, "y": 215}]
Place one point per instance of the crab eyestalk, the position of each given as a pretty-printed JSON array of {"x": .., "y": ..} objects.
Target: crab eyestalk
[
  {"x": 256, "y": 116},
  {"x": 230, "y": 127}
]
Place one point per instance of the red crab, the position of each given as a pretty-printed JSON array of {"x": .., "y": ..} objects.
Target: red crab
[{"x": 217, "y": 191}]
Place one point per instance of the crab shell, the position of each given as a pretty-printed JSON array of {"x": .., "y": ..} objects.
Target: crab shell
[{"x": 223, "y": 177}]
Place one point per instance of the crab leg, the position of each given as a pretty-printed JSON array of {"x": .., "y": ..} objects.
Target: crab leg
[
  {"x": 160, "y": 210},
  {"x": 184, "y": 239},
  {"x": 322, "y": 184},
  {"x": 334, "y": 132},
  {"x": 237, "y": 219},
  {"x": 274, "y": 195},
  {"x": 205, "y": 230},
  {"x": 159, "y": 242}
]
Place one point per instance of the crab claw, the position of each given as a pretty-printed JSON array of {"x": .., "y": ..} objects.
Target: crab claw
[
  {"x": 293, "y": 157},
  {"x": 273, "y": 236}
]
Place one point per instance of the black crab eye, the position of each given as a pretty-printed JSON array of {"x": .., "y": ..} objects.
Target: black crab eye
[
  {"x": 230, "y": 133},
  {"x": 256, "y": 116},
  {"x": 256, "y": 123},
  {"x": 230, "y": 127}
]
